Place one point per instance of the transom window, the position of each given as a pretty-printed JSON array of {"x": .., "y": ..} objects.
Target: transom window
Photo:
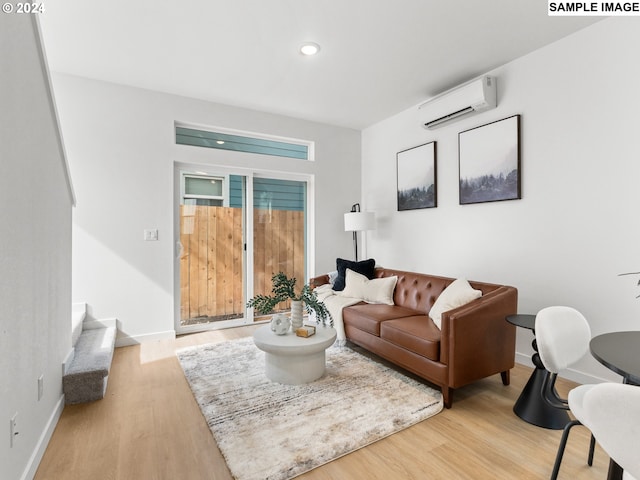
[{"x": 239, "y": 143}]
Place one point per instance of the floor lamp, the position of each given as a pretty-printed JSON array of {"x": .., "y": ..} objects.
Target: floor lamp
[{"x": 356, "y": 221}]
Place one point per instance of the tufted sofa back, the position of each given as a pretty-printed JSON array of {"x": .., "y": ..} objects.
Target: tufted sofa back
[{"x": 419, "y": 291}]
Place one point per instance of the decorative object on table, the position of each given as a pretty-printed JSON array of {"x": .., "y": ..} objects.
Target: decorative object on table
[
  {"x": 306, "y": 331},
  {"x": 417, "y": 177},
  {"x": 489, "y": 162},
  {"x": 283, "y": 289},
  {"x": 356, "y": 221},
  {"x": 280, "y": 324},
  {"x": 289, "y": 424},
  {"x": 296, "y": 314}
]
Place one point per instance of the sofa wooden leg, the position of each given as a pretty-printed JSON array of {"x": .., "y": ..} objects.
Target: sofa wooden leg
[
  {"x": 447, "y": 396},
  {"x": 506, "y": 377}
]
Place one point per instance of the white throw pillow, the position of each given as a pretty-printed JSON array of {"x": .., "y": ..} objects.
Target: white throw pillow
[
  {"x": 455, "y": 295},
  {"x": 378, "y": 290}
]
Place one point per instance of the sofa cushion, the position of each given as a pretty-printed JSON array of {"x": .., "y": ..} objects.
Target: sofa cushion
[
  {"x": 417, "y": 334},
  {"x": 378, "y": 290},
  {"x": 415, "y": 290},
  {"x": 364, "y": 267},
  {"x": 455, "y": 295},
  {"x": 367, "y": 317}
]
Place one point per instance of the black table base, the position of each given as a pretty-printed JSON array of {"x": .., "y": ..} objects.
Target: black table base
[
  {"x": 532, "y": 408},
  {"x": 531, "y": 405}
]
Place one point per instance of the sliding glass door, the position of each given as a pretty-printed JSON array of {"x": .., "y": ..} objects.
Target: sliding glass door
[
  {"x": 279, "y": 233},
  {"x": 220, "y": 265},
  {"x": 211, "y": 250}
]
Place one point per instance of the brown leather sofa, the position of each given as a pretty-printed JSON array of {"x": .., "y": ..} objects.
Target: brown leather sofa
[{"x": 475, "y": 341}]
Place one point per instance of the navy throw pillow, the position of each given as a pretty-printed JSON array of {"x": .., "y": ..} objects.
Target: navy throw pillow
[{"x": 364, "y": 267}]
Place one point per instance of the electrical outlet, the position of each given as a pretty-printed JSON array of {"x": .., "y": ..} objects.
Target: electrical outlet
[
  {"x": 13, "y": 428},
  {"x": 40, "y": 386}
]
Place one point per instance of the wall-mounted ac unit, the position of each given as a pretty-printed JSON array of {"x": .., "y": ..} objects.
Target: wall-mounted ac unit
[{"x": 472, "y": 97}]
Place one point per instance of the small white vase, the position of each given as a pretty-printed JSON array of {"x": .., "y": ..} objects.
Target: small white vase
[
  {"x": 280, "y": 324},
  {"x": 296, "y": 314}
]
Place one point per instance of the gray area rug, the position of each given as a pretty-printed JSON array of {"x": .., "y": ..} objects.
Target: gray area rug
[{"x": 266, "y": 430}]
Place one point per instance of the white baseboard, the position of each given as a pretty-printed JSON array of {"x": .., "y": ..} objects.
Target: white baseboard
[
  {"x": 101, "y": 323},
  {"x": 43, "y": 441},
  {"x": 124, "y": 340},
  {"x": 524, "y": 359},
  {"x": 570, "y": 374}
]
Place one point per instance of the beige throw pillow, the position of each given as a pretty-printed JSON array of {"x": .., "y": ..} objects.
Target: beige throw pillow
[
  {"x": 456, "y": 294},
  {"x": 378, "y": 290}
]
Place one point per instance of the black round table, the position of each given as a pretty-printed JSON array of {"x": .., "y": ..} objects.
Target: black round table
[
  {"x": 531, "y": 406},
  {"x": 618, "y": 352}
]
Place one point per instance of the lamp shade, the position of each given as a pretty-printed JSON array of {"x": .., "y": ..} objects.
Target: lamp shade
[{"x": 359, "y": 221}]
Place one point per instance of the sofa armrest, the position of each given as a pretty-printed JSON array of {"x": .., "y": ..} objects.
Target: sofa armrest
[
  {"x": 317, "y": 281},
  {"x": 477, "y": 341}
]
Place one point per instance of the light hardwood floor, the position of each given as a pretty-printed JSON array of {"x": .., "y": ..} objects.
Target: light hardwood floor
[{"x": 148, "y": 427}]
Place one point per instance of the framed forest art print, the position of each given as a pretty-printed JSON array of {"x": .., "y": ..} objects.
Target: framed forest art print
[
  {"x": 489, "y": 162},
  {"x": 417, "y": 177}
]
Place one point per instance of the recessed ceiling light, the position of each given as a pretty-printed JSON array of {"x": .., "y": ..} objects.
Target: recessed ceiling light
[
  {"x": 220, "y": 142},
  {"x": 309, "y": 48}
]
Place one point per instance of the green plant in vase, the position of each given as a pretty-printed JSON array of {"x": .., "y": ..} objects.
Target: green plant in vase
[{"x": 283, "y": 289}]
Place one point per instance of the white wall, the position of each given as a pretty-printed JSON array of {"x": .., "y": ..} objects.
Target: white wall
[
  {"x": 121, "y": 148},
  {"x": 575, "y": 228},
  {"x": 35, "y": 250}
]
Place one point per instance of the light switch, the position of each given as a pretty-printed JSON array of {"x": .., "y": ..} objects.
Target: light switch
[{"x": 151, "y": 235}]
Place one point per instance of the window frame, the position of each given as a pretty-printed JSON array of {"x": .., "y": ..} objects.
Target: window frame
[{"x": 225, "y": 188}]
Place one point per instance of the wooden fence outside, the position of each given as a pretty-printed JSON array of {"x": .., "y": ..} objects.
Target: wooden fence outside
[{"x": 211, "y": 264}]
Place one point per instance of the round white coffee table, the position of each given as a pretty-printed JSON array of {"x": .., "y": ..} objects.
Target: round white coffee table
[{"x": 293, "y": 360}]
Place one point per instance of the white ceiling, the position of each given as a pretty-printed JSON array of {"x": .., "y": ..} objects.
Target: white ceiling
[{"x": 378, "y": 57}]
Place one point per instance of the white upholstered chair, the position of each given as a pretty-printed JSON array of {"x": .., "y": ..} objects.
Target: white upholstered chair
[
  {"x": 613, "y": 413},
  {"x": 562, "y": 337}
]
